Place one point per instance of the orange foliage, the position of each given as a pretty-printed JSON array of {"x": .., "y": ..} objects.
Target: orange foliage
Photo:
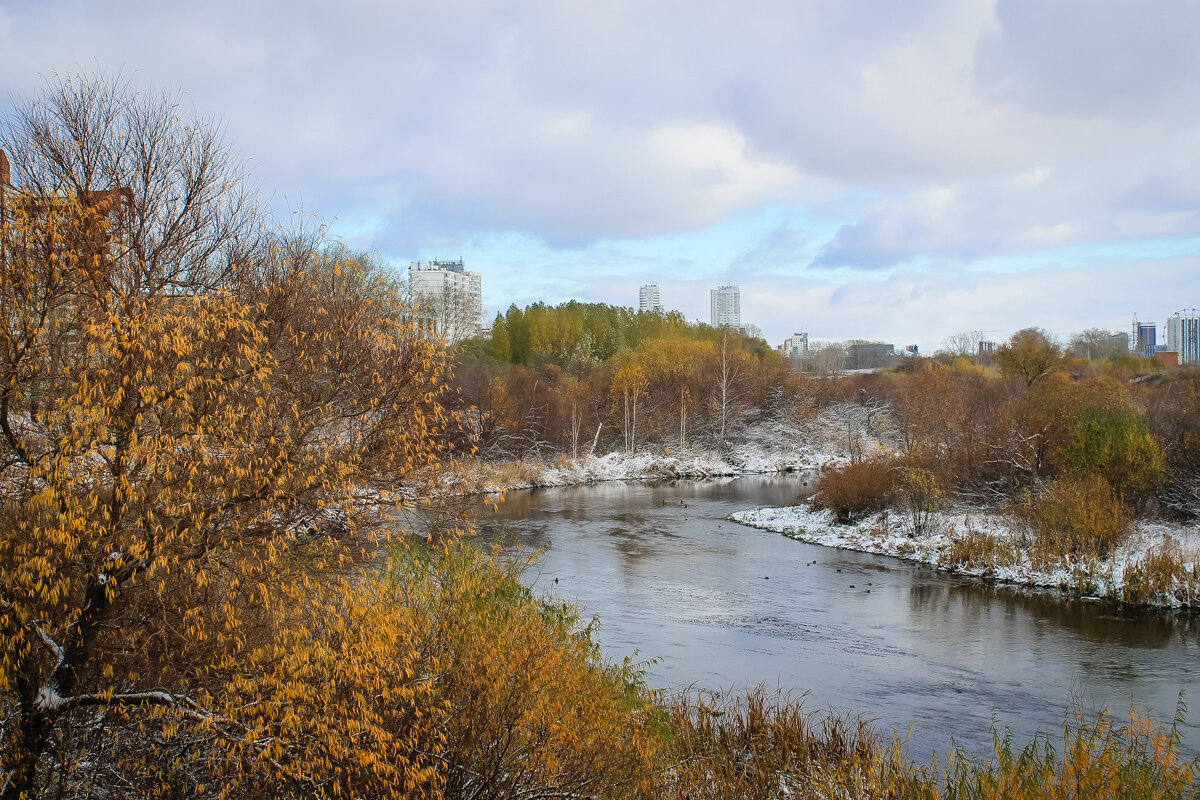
[{"x": 174, "y": 424}]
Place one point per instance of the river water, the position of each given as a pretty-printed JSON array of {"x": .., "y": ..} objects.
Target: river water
[{"x": 722, "y": 606}]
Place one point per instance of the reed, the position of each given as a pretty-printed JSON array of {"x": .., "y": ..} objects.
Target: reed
[{"x": 763, "y": 745}]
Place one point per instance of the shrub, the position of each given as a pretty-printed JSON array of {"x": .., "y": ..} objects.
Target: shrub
[
  {"x": 1076, "y": 517},
  {"x": 534, "y": 709},
  {"x": 439, "y": 675},
  {"x": 922, "y": 496},
  {"x": 859, "y": 488},
  {"x": 1118, "y": 446}
]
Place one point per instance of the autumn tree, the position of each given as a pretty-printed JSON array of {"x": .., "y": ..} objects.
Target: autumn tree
[
  {"x": 501, "y": 348},
  {"x": 183, "y": 400},
  {"x": 1118, "y": 446},
  {"x": 629, "y": 384},
  {"x": 1030, "y": 354},
  {"x": 673, "y": 368},
  {"x": 575, "y": 396}
]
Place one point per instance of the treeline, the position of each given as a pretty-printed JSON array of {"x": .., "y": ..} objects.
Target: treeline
[
  {"x": 580, "y": 378},
  {"x": 1071, "y": 451},
  {"x": 1029, "y": 414},
  {"x": 1041, "y": 415}
]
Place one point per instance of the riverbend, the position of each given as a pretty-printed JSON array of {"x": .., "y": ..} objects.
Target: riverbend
[{"x": 724, "y": 606}]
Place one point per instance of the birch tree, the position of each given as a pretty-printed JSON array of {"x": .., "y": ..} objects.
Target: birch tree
[
  {"x": 732, "y": 366},
  {"x": 630, "y": 385}
]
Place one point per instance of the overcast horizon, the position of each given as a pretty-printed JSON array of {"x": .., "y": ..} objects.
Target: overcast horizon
[{"x": 866, "y": 170}]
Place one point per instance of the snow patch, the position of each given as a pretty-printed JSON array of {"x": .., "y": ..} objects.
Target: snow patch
[{"x": 891, "y": 535}]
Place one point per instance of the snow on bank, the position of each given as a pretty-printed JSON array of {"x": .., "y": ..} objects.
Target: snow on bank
[
  {"x": 987, "y": 546},
  {"x": 641, "y": 466},
  {"x": 769, "y": 442}
]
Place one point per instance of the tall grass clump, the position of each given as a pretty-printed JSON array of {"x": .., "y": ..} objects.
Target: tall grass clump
[
  {"x": 769, "y": 746},
  {"x": 855, "y": 490},
  {"x": 1076, "y": 517},
  {"x": 1096, "y": 759},
  {"x": 1166, "y": 575},
  {"x": 922, "y": 496},
  {"x": 973, "y": 548},
  {"x": 764, "y": 746}
]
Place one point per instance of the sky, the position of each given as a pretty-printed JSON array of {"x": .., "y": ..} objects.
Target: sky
[{"x": 861, "y": 169}]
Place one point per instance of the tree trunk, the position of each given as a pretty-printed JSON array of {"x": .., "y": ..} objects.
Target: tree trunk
[{"x": 26, "y": 743}]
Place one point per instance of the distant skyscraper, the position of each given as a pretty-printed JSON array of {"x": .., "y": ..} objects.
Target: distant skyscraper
[
  {"x": 449, "y": 299},
  {"x": 648, "y": 298},
  {"x": 1183, "y": 335},
  {"x": 1145, "y": 338},
  {"x": 726, "y": 304},
  {"x": 796, "y": 346}
]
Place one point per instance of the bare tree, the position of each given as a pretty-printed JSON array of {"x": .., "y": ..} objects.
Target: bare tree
[
  {"x": 1097, "y": 343},
  {"x": 190, "y": 212},
  {"x": 963, "y": 343},
  {"x": 825, "y": 357},
  {"x": 728, "y": 405}
]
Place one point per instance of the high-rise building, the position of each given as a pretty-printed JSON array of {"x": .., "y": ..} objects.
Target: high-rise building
[
  {"x": 1183, "y": 335},
  {"x": 1145, "y": 338},
  {"x": 795, "y": 346},
  {"x": 726, "y": 302},
  {"x": 648, "y": 298},
  {"x": 448, "y": 298}
]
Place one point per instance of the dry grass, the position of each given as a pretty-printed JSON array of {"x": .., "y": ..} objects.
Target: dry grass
[
  {"x": 974, "y": 549},
  {"x": 1096, "y": 759},
  {"x": 479, "y": 476},
  {"x": 1166, "y": 574},
  {"x": 761, "y": 746},
  {"x": 765, "y": 746}
]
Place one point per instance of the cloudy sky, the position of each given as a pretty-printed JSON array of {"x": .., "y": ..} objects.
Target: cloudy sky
[{"x": 893, "y": 170}]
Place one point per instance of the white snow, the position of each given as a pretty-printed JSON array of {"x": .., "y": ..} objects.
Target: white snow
[
  {"x": 769, "y": 443},
  {"x": 955, "y": 541}
]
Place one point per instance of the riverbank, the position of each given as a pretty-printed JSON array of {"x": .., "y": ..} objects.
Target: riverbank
[
  {"x": 641, "y": 466},
  {"x": 772, "y": 443},
  {"x": 1156, "y": 565}
]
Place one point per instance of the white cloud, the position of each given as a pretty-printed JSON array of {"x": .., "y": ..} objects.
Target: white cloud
[{"x": 931, "y": 132}]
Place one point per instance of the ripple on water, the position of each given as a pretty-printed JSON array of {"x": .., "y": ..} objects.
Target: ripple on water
[{"x": 940, "y": 651}]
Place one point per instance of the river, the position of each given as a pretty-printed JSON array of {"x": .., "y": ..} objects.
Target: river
[{"x": 722, "y": 606}]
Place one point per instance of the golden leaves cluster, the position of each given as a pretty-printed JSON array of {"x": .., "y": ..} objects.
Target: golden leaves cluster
[{"x": 173, "y": 452}]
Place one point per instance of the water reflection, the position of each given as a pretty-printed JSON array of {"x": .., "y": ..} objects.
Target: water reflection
[
  {"x": 727, "y": 607},
  {"x": 1088, "y": 620}
]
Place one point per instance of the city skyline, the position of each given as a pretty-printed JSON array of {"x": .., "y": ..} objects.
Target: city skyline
[
  {"x": 881, "y": 171},
  {"x": 1130, "y": 327}
]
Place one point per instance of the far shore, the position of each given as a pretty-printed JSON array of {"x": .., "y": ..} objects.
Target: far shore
[
  {"x": 976, "y": 542},
  {"x": 988, "y": 545}
]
